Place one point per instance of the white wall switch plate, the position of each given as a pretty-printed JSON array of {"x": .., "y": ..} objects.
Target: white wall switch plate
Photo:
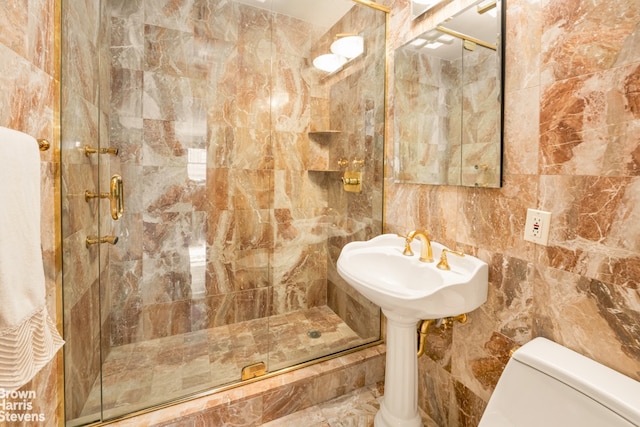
[{"x": 536, "y": 228}]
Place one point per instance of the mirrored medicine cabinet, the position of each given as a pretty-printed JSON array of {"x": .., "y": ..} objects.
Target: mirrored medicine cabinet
[{"x": 448, "y": 110}]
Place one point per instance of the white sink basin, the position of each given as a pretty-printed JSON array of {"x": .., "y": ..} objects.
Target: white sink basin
[
  {"x": 405, "y": 286},
  {"x": 407, "y": 290}
]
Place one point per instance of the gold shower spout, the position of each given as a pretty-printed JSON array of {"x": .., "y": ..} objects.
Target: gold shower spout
[{"x": 352, "y": 181}]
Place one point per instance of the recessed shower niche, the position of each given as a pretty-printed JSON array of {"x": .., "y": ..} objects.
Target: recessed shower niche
[{"x": 222, "y": 253}]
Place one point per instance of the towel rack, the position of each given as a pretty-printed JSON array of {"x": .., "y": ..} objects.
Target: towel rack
[{"x": 43, "y": 144}]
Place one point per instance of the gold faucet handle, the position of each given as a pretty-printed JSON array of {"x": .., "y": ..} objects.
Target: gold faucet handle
[
  {"x": 444, "y": 263},
  {"x": 407, "y": 244}
]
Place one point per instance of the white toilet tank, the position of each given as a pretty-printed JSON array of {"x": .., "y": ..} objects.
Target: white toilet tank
[{"x": 548, "y": 385}]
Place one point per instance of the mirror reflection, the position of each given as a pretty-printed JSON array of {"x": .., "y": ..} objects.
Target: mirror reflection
[
  {"x": 448, "y": 101},
  {"x": 418, "y": 7}
]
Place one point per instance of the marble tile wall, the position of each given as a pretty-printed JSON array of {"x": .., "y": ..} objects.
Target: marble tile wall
[
  {"x": 29, "y": 87},
  {"x": 576, "y": 115},
  {"x": 257, "y": 216},
  {"x": 571, "y": 143},
  {"x": 360, "y": 143}
]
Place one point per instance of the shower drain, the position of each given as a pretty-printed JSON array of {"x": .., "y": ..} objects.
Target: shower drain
[{"x": 314, "y": 333}]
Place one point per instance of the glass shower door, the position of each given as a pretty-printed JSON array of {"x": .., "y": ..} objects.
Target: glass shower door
[{"x": 234, "y": 211}]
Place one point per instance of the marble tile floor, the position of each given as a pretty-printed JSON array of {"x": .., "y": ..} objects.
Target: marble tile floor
[
  {"x": 355, "y": 409},
  {"x": 140, "y": 375}
]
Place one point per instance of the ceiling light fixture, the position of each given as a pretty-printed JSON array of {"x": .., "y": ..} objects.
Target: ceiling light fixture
[
  {"x": 349, "y": 46},
  {"x": 345, "y": 48},
  {"x": 329, "y": 62}
]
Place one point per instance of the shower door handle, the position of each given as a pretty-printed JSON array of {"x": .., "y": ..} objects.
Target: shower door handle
[{"x": 116, "y": 197}]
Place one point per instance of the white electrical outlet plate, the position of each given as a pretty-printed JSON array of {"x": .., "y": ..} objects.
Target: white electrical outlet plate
[{"x": 536, "y": 228}]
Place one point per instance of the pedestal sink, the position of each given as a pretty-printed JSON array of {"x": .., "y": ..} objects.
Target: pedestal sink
[{"x": 408, "y": 290}]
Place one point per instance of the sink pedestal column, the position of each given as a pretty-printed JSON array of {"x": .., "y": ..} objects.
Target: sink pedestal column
[{"x": 399, "y": 406}]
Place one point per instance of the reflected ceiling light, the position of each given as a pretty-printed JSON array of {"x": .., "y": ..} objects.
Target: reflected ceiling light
[
  {"x": 446, "y": 38},
  {"x": 348, "y": 47},
  {"x": 432, "y": 45},
  {"x": 329, "y": 62},
  {"x": 418, "y": 42}
]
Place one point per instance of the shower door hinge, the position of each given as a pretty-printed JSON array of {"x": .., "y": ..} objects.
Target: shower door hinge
[{"x": 252, "y": 371}]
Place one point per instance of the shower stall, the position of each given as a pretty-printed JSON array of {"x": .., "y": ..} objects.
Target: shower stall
[{"x": 203, "y": 199}]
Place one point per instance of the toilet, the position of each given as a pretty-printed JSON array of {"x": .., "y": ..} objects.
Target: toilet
[{"x": 548, "y": 385}]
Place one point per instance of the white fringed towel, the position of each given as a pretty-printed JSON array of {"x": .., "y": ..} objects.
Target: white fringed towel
[{"x": 28, "y": 337}]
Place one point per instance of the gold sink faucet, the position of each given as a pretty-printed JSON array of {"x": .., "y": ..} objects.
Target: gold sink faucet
[{"x": 426, "y": 254}]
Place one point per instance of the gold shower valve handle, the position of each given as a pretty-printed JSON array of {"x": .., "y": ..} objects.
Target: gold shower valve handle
[
  {"x": 88, "y": 150},
  {"x": 116, "y": 196},
  {"x": 88, "y": 195},
  {"x": 93, "y": 240}
]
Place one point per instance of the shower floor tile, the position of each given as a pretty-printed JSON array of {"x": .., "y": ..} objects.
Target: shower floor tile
[{"x": 144, "y": 374}]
